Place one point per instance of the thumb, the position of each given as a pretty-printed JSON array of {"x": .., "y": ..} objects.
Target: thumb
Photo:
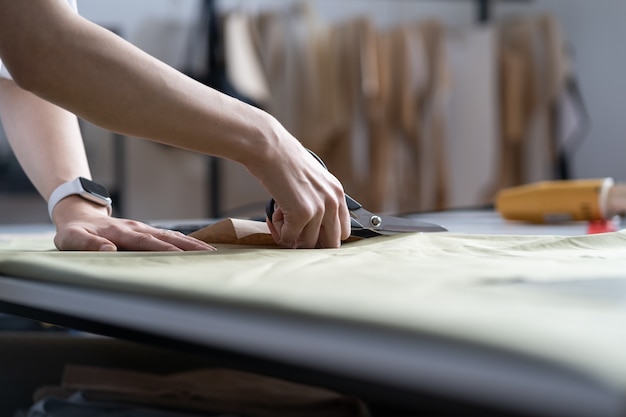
[{"x": 276, "y": 225}]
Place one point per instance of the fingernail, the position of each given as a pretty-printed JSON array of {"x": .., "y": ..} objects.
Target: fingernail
[{"x": 107, "y": 248}]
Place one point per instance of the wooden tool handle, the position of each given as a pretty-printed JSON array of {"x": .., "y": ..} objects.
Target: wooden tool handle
[{"x": 557, "y": 201}]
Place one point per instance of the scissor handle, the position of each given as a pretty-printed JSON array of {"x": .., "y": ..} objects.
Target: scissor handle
[
  {"x": 269, "y": 209},
  {"x": 352, "y": 203}
]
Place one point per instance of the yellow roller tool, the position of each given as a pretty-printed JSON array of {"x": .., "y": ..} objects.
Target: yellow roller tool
[{"x": 559, "y": 201}]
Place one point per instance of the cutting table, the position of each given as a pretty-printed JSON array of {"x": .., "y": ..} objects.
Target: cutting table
[{"x": 492, "y": 318}]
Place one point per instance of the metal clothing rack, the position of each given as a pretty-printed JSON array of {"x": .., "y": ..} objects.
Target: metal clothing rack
[{"x": 484, "y": 8}]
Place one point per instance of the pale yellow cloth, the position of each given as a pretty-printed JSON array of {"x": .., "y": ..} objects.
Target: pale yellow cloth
[{"x": 524, "y": 293}]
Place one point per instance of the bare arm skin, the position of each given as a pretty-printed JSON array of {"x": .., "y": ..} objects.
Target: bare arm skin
[
  {"x": 77, "y": 65},
  {"x": 48, "y": 143}
]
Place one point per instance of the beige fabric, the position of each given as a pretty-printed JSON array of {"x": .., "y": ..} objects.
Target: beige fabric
[
  {"x": 406, "y": 120},
  {"x": 375, "y": 103},
  {"x": 369, "y": 102},
  {"x": 514, "y": 292},
  {"x": 205, "y": 390},
  {"x": 518, "y": 98},
  {"x": 344, "y": 74},
  {"x": 434, "y": 163},
  {"x": 534, "y": 68},
  {"x": 290, "y": 44},
  {"x": 243, "y": 65}
]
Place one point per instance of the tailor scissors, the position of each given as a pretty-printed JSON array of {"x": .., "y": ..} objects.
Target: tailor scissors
[{"x": 367, "y": 224}]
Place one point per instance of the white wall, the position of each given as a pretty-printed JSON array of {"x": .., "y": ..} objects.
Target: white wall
[{"x": 127, "y": 15}]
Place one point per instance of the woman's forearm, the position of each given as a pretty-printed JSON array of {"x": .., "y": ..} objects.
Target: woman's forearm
[
  {"x": 92, "y": 72},
  {"x": 45, "y": 138}
]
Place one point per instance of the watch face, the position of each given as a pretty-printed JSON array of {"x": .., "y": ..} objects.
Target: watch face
[{"x": 94, "y": 188}]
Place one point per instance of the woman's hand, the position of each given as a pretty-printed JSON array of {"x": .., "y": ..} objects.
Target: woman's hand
[
  {"x": 82, "y": 225},
  {"x": 311, "y": 210}
]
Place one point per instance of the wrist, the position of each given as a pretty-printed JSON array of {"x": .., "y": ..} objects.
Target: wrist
[
  {"x": 85, "y": 189},
  {"x": 264, "y": 145},
  {"x": 74, "y": 207}
]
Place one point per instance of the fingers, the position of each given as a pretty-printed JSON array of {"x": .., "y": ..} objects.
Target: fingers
[
  {"x": 184, "y": 242},
  {"x": 310, "y": 236},
  {"x": 330, "y": 235},
  {"x": 321, "y": 225},
  {"x": 296, "y": 234},
  {"x": 295, "y": 230},
  {"x": 345, "y": 223},
  {"x": 275, "y": 224},
  {"x": 110, "y": 234},
  {"x": 79, "y": 239},
  {"x": 335, "y": 226},
  {"x": 152, "y": 239}
]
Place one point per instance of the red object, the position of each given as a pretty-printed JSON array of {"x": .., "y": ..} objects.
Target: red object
[{"x": 601, "y": 226}]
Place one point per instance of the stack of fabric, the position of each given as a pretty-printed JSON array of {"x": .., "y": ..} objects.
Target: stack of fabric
[{"x": 104, "y": 392}]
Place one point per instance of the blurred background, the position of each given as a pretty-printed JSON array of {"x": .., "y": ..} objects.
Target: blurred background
[{"x": 416, "y": 105}]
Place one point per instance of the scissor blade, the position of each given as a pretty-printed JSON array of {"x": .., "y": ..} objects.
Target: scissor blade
[
  {"x": 400, "y": 225},
  {"x": 390, "y": 224}
]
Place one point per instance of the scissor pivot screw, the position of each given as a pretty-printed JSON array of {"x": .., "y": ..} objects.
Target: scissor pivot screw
[{"x": 376, "y": 221}]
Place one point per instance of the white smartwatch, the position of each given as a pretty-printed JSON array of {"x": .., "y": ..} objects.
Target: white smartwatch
[{"x": 83, "y": 187}]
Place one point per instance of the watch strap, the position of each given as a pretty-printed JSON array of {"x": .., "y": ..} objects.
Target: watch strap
[{"x": 75, "y": 187}]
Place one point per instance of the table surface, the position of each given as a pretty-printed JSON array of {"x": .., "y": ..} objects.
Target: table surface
[
  {"x": 456, "y": 221},
  {"x": 365, "y": 357},
  {"x": 490, "y": 222}
]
